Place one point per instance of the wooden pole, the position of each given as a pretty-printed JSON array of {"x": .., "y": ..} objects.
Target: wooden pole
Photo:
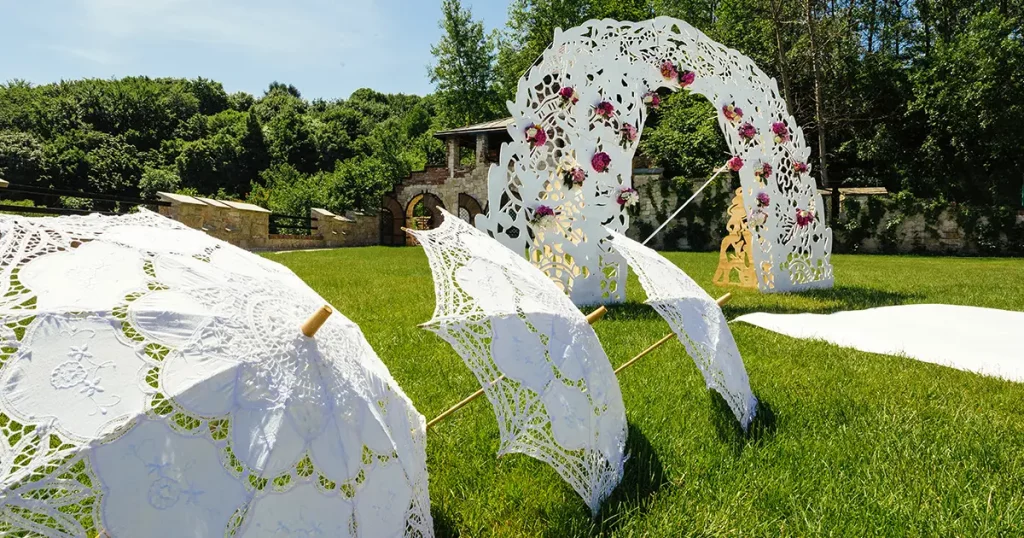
[
  {"x": 591, "y": 318},
  {"x": 721, "y": 301},
  {"x": 596, "y": 315},
  {"x": 313, "y": 324}
]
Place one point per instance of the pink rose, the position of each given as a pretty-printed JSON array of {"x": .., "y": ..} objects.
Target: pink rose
[
  {"x": 763, "y": 171},
  {"x": 804, "y": 217},
  {"x": 781, "y": 132},
  {"x": 629, "y": 133},
  {"x": 732, "y": 113},
  {"x": 628, "y": 197},
  {"x": 735, "y": 164},
  {"x": 668, "y": 70},
  {"x": 569, "y": 94},
  {"x": 800, "y": 167},
  {"x": 747, "y": 131},
  {"x": 605, "y": 109},
  {"x": 652, "y": 99},
  {"x": 600, "y": 161},
  {"x": 686, "y": 78},
  {"x": 536, "y": 136},
  {"x": 578, "y": 176}
]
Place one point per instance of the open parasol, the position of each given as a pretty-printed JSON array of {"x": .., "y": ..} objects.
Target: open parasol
[
  {"x": 698, "y": 322},
  {"x": 157, "y": 382},
  {"x": 535, "y": 355}
]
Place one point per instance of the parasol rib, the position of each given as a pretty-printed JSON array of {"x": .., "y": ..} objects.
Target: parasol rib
[{"x": 591, "y": 318}]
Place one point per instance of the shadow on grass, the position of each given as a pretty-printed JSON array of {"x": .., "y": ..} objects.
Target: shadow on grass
[
  {"x": 828, "y": 301},
  {"x": 444, "y": 527},
  {"x": 630, "y": 311},
  {"x": 729, "y": 431}
]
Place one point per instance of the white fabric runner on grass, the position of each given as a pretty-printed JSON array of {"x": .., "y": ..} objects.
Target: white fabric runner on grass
[{"x": 982, "y": 340}]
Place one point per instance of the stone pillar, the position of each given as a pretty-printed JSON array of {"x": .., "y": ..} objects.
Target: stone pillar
[
  {"x": 481, "y": 149},
  {"x": 453, "y": 156}
]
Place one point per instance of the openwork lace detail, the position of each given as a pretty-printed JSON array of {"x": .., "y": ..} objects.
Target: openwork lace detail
[
  {"x": 697, "y": 321},
  {"x": 619, "y": 63},
  {"x": 153, "y": 378},
  {"x": 539, "y": 362}
]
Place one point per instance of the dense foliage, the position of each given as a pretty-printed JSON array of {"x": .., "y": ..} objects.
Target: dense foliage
[
  {"x": 137, "y": 136},
  {"x": 919, "y": 96}
]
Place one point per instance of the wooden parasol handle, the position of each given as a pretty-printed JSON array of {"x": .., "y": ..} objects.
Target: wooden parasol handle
[{"x": 313, "y": 324}]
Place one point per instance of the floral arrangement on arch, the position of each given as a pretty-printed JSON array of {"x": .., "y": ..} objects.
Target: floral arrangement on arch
[
  {"x": 628, "y": 197},
  {"x": 732, "y": 113},
  {"x": 804, "y": 217},
  {"x": 600, "y": 162},
  {"x": 747, "y": 131},
  {"x": 629, "y": 134},
  {"x": 763, "y": 172},
  {"x": 605, "y": 109},
  {"x": 781, "y": 132},
  {"x": 543, "y": 217},
  {"x": 652, "y": 100},
  {"x": 568, "y": 95},
  {"x": 571, "y": 173},
  {"x": 535, "y": 135}
]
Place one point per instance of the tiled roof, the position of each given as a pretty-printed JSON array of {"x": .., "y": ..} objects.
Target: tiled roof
[
  {"x": 856, "y": 191},
  {"x": 485, "y": 127}
]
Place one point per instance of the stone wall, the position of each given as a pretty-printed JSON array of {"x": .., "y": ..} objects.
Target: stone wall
[
  {"x": 698, "y": 227},
  {"x": 874, "y": 225},
  {"x": 470, "y": 181},
  {"x": 248, "y": 226}
]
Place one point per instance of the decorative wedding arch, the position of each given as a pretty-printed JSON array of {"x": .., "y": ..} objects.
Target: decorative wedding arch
[{"x": 578, "y": 116}]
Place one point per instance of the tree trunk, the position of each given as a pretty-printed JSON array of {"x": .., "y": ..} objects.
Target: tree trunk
[
  {"x": 819, "y": 110},
  {"x": 776, "y": 7}
]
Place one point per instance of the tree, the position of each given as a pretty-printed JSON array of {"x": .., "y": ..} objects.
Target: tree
[
  {"x": 156, "y": 180},
  {"x": 464, "y": 68},
  {"x": 21, "y": 157}
]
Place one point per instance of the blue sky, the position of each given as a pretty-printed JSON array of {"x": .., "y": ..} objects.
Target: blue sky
[{"x": 326, "y": 48}]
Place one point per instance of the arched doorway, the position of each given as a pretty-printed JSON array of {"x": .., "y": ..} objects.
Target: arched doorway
[
  {"x": 392, "y": 218},
  {"x": 423, "y": 213},
  {"x": 469, "y": 208}
]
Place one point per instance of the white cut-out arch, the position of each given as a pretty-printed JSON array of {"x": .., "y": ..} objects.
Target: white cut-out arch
[{"x": 619, "y": 63}]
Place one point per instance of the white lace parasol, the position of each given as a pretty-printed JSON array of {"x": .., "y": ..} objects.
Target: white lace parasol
[
  {"x": 538, "y": 360},
  {"x": 698, "y": 322},
  {"x": 154, "y": 382}
]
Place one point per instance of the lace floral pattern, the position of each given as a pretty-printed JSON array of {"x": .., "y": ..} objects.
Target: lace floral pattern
[
  {"x": 540, "y": 363},
  {"x": 697, "y": 321},
  {"x": 617, "y": 62},
  {"x": 153, "y": 382}
]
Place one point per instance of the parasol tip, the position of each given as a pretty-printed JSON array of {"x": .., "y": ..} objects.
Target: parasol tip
[
  {"x": 313, "y": 324},
  {"x": 724, "y": 299},
  {"x": 596, "y": 315}
]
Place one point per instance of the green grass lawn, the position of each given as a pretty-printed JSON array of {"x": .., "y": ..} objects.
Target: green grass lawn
[{"x": 846, "y": 443}]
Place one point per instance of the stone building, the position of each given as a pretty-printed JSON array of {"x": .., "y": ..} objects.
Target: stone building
[{"x": 459, "y": 187}]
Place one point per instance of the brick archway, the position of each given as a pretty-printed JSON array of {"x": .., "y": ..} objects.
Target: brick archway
[
  {"x": 469, "y": 207},
  {"x": 433, "y": 204},
  {"x": 392, "y": 218}
]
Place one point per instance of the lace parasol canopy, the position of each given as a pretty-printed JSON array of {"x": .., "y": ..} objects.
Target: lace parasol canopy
[{"x": 154, "y": 382}]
